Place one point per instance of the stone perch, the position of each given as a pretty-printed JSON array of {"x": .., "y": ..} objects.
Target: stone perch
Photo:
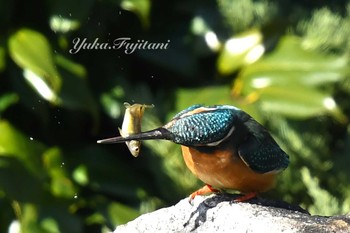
[{"x": 217, "y": 213}]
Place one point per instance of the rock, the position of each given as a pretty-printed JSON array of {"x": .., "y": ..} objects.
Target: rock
[{"x": 218, "y": 213}]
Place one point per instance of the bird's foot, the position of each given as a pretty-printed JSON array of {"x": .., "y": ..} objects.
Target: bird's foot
[
  {"x": 246, "y": 197},
  {"x": 204, "y": 190}
]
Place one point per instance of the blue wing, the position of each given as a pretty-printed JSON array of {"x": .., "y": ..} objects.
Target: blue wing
[{"x": 260, "y": 151}]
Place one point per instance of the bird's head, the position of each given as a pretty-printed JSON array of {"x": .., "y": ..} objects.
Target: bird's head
[{"x": 197, "y": 125}]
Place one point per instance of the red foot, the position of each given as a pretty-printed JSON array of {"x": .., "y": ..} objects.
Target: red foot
[
  {"x": 204, "y": 190},
  {"x": 246, "y": 197}
]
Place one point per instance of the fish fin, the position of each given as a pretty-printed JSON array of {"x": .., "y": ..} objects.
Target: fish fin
[
  {"x": 127, "y": 105},
  {"x": 121, "y": 133}
]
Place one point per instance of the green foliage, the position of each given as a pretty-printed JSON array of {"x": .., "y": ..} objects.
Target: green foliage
[
  {"x": 140, "y": 8},
  {"x": 36, "y": 60},
  {"x": 324, "y": 202},
  {"x": 6, "y": 100},
  {"x": 243, "y": 14},
  {"x": 240, "y": 50},
  {"x": 289, "y": 81},
  {"x": 288, "y": 69},
  {"x": 326, "y": 30}
]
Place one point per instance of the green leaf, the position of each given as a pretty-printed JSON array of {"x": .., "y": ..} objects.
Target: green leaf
[
  {"x": 63, "y": 25},
  {"x": 289, "y": 81},
  {"x": 291, "y": 64},
  {"x": 2, "y": 58},
  {"x": 115, "y": 209},
  {"x": 67, "y": 16},
  {"x": 324, "y": 202},
  {"x": 7, "y": 100},
  {"x": 32, "y": 51},
  {"x": 326, "y": 29},
  {"x": 242, "y": 14},
  {"x": 240, "y": 50},
  {"x": 211, "y": 95},
  {"x": 51, "y": 217},
  {"x": 25, "y": 148},
  {"x": 299, "y": 102},
  {"x": 111, "y": 106},
  {"x": 69, "y": 65},
  {"x": 140, "y": 7},
  {"x": 39, "y": 85},
  {"x": 15, "y": 178},
  {"x": 61, "y": 184},
  {"x": 204, "y": 95},
  {"x": 50, "y": 225},
  {"x": 80, "y": 175}
]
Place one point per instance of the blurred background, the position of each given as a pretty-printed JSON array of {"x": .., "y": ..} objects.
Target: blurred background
[{"x": 284, "y": 62}]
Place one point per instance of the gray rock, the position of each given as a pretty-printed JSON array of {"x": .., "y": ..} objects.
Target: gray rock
[{"x": 218, "y": 213}]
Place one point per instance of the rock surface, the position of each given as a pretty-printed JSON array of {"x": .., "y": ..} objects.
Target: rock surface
[{"x": 218, "y": 213}]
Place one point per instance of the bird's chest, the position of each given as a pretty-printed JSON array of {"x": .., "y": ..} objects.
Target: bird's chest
[
  {"x": 210, "y": 167},
  {"x": 224, "y": 169},
  {"x": 203, "y": 162}
]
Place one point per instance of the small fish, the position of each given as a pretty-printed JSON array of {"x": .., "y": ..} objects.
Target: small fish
[{"x": 132, "y": 125}]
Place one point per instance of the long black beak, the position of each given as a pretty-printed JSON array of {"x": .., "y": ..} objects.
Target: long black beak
[{"x": 159, "y": 133}]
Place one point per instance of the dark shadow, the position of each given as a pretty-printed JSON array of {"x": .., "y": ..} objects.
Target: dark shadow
[{"x": 213, "y": 201}]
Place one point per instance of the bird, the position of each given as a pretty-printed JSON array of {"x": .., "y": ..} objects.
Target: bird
[{"x": 224, "y": 147}]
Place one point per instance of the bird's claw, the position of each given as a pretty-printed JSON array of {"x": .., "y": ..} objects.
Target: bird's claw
[
  {"x": 204, "y": 190},
  {"x": 246, "y": 197}
]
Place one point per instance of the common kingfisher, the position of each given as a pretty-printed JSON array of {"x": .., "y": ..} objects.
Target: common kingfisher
[{"x": 224, "y": 147}]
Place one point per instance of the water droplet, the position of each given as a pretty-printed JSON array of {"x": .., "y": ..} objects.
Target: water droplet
[
  {"x": 120, "y": 12},
  {"x": 152, "y": 76},
  {"x": 30, "y": 138},
  {"x": 58, "y": 122},
  {"x": 70, "y": 14},
  {"x": 75, "y": 196},
  {"x": 62, "y": 164}
]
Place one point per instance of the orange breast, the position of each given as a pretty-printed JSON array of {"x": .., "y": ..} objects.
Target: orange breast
[{"x": 227, "y": 171}]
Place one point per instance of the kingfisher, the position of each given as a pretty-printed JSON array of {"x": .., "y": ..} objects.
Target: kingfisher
[{"x": 222, "y": 146}]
